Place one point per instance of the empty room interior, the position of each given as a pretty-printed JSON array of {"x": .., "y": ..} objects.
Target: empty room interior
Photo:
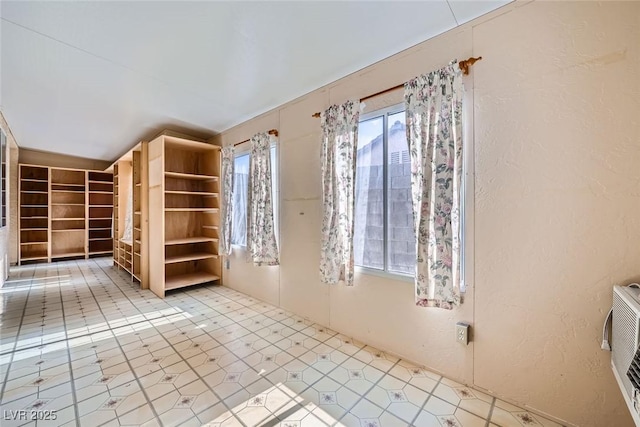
[{"x": 319, "y": 213}]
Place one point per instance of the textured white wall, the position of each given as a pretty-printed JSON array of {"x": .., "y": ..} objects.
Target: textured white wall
[
  {"x": 557, "y": 200},
  {"x": 554, "y": 124}
]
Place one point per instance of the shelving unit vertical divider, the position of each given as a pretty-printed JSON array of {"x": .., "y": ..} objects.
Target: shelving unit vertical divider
[
  {"x": 50, "y": 216},
  {"x": 116, "y": 215},
  {"x": 86, "y": 214},
  {"x": 156, "y": 216}
]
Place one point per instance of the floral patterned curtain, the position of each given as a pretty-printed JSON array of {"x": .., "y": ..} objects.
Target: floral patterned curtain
[
  {"x": 261, "y": 236},
  {"x": 226, "y": 207},
  {"x": 127, "y": 233},
  {"x": 433, "y": 105},
  {"x": 339, "y": 144}
]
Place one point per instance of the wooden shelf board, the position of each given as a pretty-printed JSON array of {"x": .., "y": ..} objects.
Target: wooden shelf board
[
  {"x": 67, "y": 229},
  {"x": 102, "y": 218},
  {"x": 210, "y": 227},
  {"x": 64, "y": 184},
  {"x": 192, "y": 193},
  {"x": 175, "y": 282},
  {"x": 33, "y": 180},
  {"x": 33, "y": 243},
  {"x": 93, "y": 181},
  {"x": 67, "y": 191},
  {"x": 99, "y": 228},
  {"x": 187, "y": 240},
  {"x": 191, "y": 209},
  {"x": 33, "y": 229},
  {"x": 189, "y": 257},
  {"x": 70, "y": 254},
  {"x": 100, "y": 192},
  {"x": 100, "y": 252},
  {"x": 100, "y": 238},
  {"x": 33, "y": 206},
  {"x": 187, "y": 144},
  {"x": 33, "y": 258},
  {"x": 191, "y": 176},
  {"x": 34, "y": 217},
  {"x": 137, "y": 229},
  {"x": 33, "y": 192},
  {"x": 67, "y": 219},
  {"x": 67, "y": 204}
]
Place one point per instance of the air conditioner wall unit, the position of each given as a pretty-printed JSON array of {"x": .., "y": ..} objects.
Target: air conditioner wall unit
[{"x": 625, "y": 340}]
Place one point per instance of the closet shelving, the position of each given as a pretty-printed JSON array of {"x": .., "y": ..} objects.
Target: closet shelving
[
  {"x": 137, "y": 214},
  {"x": 131, "y": 188},
  {"x": 99, "y": 213},
  {"x": 34, "y": 213},
  {"x": 123, "y": 246},
  {"x": 183, "y": 213},
  {"x": 68, "y": 213},
  {"x": 64, "y": 213}
]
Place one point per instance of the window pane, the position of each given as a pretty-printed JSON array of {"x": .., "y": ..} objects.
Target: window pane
[
  {"x": 240, "y": 189},
  {"x": 400, "y": 234},
  {"x": 368, "y": 238}
]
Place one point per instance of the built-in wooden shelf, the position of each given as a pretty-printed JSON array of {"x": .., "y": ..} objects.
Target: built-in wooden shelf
[
  {"x": 183, "y": 207},
  {"x": 192, "y": 193},
  {"x": 189, "y": 279},
  {"x": 189, "y": 240},
  {"x": 54, "y": 212},
  {"x": 189, "y": 257},
  {"x": 192, "y": 176},
  {"x": 191, "y": 209}
]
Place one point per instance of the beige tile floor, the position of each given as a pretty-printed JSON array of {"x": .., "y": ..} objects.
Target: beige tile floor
[{"x": 80, "y": 343}]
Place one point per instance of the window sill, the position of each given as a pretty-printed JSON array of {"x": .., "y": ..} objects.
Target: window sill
[{"x": 384, "y": 274}]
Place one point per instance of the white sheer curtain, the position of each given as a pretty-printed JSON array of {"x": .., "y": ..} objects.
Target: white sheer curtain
[
  {"x": 434, "y": 131},
  {"x": 261, "y": 236},
  {"x": 226, "y": 214},
  {"x": 240, "y": 193},
  {"x": 339, "y": 144}
]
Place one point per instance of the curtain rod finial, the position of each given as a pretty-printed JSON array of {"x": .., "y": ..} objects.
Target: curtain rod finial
[{"x": 464, "y": 65}]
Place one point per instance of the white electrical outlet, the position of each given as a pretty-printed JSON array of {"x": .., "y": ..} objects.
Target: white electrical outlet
[{"x": 462, "y": 333}]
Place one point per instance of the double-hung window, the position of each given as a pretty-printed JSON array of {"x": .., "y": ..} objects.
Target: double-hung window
[
  {"x": 384, "y": 238},
  {"x": 241, "y": 191}
]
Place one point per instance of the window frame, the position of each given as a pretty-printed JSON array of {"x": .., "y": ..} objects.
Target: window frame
[
  {"x": 385, "y": 272},
  {"x": 466, "y": 199},
  {"x": 245, "y": 150}
]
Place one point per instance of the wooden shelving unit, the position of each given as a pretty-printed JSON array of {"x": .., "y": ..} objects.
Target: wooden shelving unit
[
  {"x": 99, "y": 213},
  {"x": 123, "y": 248},
  {"x": 183, "y": 213},
  {"x": 34, "y": 213},
  {"x": 141, "y": 214},
  {"x": 60, "y": 216},
  {"x": 68, "y": 223},
  {"x": 131, "y": 174}
]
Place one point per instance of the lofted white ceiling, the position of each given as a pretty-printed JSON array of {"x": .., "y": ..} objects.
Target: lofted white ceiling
[{"x": 92, "y": 78}]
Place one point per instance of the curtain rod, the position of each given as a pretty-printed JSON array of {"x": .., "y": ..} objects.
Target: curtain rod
[
  {"x": 464, "y": 66},
  {"x": 273, "y": 132}
]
